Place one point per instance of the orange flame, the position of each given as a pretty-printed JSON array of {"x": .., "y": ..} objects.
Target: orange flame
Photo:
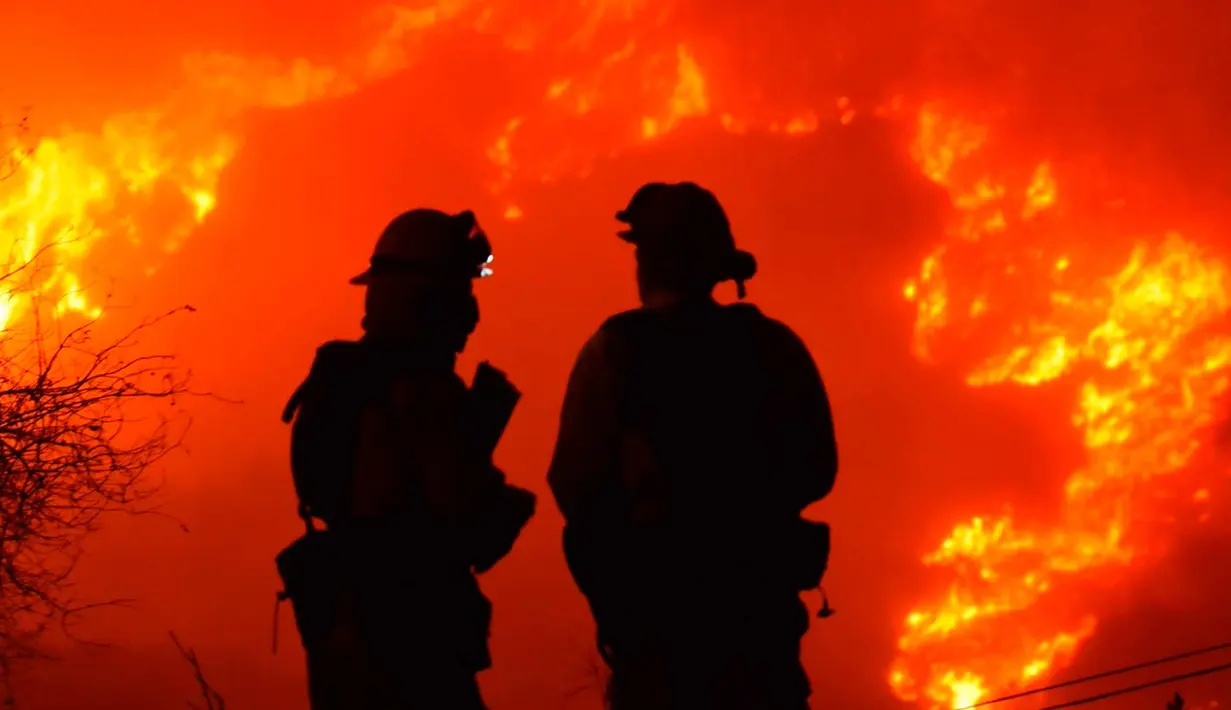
[
  {"x": 70, "y": 192},
  {"x": 1150, "y": 375},
  {"x": 75, "y": 190}
]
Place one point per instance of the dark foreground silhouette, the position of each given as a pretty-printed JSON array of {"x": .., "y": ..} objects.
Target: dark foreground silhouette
[
  {"x": 692, "y": 437},
  {"x": 392, "y": 453}
]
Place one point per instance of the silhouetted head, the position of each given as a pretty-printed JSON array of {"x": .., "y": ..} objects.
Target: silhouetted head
[
  {"x": 420, "y": 282},
  {"x": 684, "y": 243}
]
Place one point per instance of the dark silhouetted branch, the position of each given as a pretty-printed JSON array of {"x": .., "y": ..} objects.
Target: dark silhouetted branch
[{"x": 213, "y": 700}]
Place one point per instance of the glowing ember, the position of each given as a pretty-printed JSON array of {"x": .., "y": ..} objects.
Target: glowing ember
[{"x": 1134, "y": 336}]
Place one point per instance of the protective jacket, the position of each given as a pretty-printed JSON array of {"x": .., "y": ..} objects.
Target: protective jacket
[{"x": 691, "y": 439}]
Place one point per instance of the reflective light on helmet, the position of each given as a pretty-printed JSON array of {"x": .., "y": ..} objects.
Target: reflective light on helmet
[{"x": 480, "y": 253}]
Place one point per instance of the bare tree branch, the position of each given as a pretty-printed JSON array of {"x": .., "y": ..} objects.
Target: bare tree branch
[
  {"x": 77, "y": 436},
  {"x": 213, "y": 700}
]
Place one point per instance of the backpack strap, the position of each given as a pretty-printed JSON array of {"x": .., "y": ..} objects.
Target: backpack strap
[{"x": 292, "y": 404}]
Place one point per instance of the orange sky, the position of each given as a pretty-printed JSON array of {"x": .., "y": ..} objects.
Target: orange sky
[{"x": 838, "y": 219}]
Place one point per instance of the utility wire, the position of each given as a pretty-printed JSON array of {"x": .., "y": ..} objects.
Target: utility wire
[
  {"x": 1104, "y": 674},
  {"x": 1144, "y": 686}
]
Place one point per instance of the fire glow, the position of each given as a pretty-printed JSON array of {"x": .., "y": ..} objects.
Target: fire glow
[
  {"x": 149, "y": 177},
  {"x": 1133, "y": 334},
  {"x": 1137, "y": 339}
]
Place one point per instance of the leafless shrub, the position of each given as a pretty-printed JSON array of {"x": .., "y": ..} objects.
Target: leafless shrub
[{"x": 75, "y": 444}]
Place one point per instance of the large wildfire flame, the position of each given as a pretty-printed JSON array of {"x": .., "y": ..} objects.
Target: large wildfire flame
[
  {"x": 1006, "y": 280},
  {"x": 73, "y": 191},
  {"x": 1136, "y": 337}
]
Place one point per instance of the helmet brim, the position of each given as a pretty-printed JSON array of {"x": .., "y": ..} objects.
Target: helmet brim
[{"x": 363, "y": 279}]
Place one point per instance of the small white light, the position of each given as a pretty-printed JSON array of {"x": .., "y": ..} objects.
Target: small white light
[
  {"x": 484, "y": 273},
  {"x": 490, "y": 258}
]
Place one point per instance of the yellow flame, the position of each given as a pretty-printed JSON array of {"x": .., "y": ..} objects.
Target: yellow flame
[{"x": 1151, "y": 373}]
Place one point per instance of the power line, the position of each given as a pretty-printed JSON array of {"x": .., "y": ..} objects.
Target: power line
[
  {"x": 1143, "y": 686},
  {"x": 1100, "y": 676}
]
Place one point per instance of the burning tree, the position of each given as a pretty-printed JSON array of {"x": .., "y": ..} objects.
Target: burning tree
[{"x": 81, "y": 422}]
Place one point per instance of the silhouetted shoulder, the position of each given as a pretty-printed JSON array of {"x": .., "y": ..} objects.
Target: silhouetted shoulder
[
  {"x": 775, "y": 334},
  {"x": 747, "y": 315},
  {"x": 807, "y": 430},
  {"x": 624, "y": 323},
  {"x": 783, "y": 334},
  {"x": 614, "y": 338}
]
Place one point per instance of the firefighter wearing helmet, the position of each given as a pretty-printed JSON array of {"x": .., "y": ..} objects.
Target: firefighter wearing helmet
[
  {"x": 391, "y": 461},
  {"x": 693, "y": 435}
]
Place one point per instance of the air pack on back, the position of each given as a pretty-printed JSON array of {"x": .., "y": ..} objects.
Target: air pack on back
[{"x": 325, "y": 411}]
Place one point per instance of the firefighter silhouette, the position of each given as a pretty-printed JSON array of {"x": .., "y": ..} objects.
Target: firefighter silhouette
[{"x": 692, "y": 436}]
